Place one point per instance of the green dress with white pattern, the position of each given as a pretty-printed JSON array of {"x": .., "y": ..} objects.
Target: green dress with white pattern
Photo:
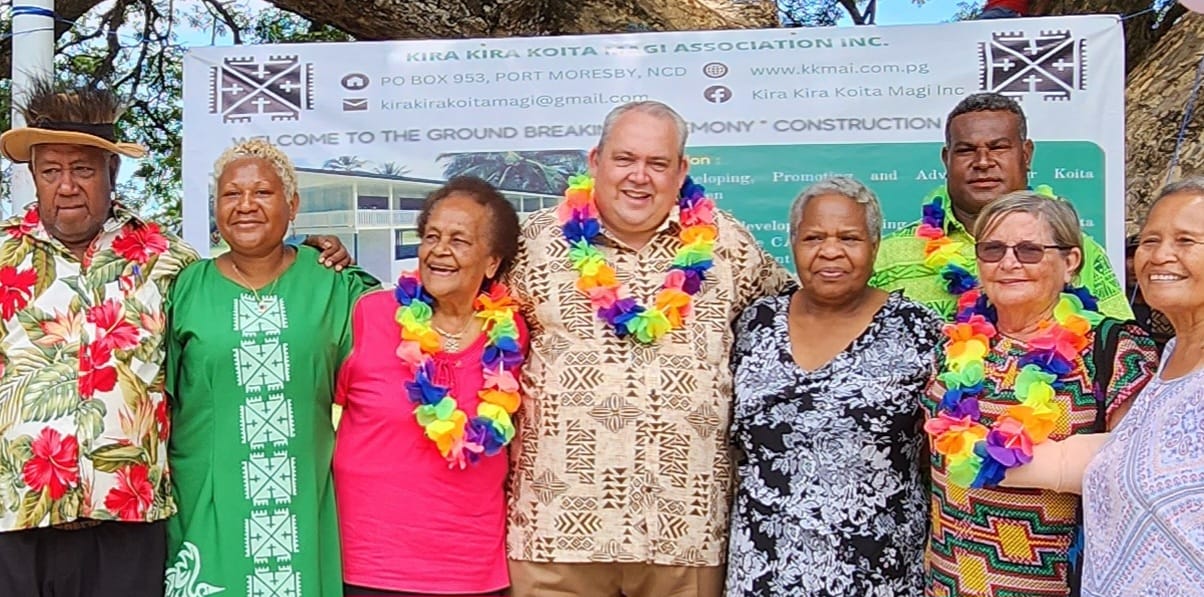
[{"x": 251, "y": 382}]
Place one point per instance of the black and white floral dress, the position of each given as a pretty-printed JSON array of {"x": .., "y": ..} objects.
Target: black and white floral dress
[{"x": 830, "y": 500}]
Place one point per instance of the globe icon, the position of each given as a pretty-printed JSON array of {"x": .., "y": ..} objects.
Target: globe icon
[{"x": 714, "y": 70}]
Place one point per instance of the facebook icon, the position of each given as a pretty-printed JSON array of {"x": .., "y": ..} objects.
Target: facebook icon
[{"x": 717, "y": 94}]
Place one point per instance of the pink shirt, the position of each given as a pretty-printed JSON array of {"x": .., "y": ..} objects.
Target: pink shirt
[{"x": 408, "y": 522}]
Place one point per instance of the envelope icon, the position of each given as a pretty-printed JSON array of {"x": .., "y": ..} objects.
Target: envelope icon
[{"x": 355, "y": 104}]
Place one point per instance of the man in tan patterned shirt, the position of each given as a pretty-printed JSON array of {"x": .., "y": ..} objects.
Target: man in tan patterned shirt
[{"x": 622, "y": 472}]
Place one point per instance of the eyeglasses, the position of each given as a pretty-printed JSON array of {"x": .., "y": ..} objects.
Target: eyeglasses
[{"x": 1025, "y": 252}]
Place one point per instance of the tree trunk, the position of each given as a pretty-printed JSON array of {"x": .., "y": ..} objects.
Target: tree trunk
[
  {"x": 1156, "y": 94},
  {"x": 435, "y": 19},
  {"x": 1140, "y": 32}
]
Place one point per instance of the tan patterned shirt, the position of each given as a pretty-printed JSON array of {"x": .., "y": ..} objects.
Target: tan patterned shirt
[{"x": 623, "y": 453}]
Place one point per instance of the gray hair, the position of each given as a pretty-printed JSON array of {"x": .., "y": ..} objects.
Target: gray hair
[
  {"x": 988, "y": 102},
  {"x": 652, "y": 108},
  {"x": 1056, "y": 212},
  {"x": 845, "y": 187},
  {"x": 1191, "y": 184}
]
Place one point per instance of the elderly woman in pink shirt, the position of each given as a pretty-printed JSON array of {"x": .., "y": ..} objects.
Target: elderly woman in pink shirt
[{"x": 420, "y": 458}]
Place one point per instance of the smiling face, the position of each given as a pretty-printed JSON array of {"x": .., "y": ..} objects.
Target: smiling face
[
  {"x": 251, "y": 210},
  {"x": 74, "y": 186},
  {"x": 638, "y": 172},
  {"x": 985, "y": 158},
  {"x": 456, "y": 253},
  {"x": 1026, "y": 287},
  {"x": 833, "y": 249},
  {"x": 1169, "y": 261}
]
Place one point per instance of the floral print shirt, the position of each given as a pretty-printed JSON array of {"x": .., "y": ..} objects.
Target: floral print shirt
[{"x": 83, "y": 416}]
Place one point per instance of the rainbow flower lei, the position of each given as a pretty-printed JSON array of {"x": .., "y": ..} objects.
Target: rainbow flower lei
[
  {"x": 976, "y": 455},
  {"x": 943, "y": 253},
  {"x": 460, "y": 439},
  {"x": 580, "y": 224}
]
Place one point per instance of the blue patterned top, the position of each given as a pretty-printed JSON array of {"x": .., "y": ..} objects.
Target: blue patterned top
[{"x": 1143, "y": 496}]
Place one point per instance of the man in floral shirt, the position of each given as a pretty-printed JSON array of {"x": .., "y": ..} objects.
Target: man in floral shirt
[{"x": 84, "y": 482}]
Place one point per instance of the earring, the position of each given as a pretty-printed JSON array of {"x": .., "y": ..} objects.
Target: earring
[{"x": 292, "y": 228}]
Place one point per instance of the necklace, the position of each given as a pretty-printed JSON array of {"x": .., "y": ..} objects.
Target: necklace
[
  {"x": 262, "y": 302},
  {"x": 977, "y": 455},
  {"x": 461, "y": 440},
  {"x": 451, "y": 341},
  {"x": 673, "y": 303},
  {"x": 945, "y": 254}
]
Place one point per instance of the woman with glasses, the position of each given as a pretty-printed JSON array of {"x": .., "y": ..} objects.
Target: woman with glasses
[
  {"x": 1143, "y": 484},
  {"x": 1018, "y": 368}
]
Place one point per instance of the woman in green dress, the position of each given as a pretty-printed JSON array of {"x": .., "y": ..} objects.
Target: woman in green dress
[{"x": 256, "y": 336}]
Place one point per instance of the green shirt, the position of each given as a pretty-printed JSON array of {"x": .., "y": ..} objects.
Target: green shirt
[
  {"x": 251, "y": 379},
  {"x": 900, "y": 266}
]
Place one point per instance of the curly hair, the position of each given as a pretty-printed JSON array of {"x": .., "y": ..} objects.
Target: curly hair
[
  {"x": 264, "y": 150},
  {"x": 503, "y": 234},
  {"x": 846, "y": 187}
]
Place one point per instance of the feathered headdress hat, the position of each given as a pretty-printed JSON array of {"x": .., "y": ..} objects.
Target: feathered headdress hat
[{"x": 55, "y": 113}]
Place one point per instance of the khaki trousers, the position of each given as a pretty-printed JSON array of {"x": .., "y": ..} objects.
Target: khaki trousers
[{"x": 549, "y": 579}]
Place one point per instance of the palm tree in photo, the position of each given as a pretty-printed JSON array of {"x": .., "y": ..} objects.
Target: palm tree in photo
[
  {"x": 532, "y": 171},
  {"x": 345, "y": 163},
  {"x": 392, "y": 169}
]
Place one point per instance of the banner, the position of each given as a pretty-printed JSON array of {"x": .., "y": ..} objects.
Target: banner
[{"x": 375, "y": 126}]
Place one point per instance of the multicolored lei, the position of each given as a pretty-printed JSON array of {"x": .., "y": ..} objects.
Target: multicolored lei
[
  {"x": 943, "y": 253},
  {"x": 460, "y": 439},
  {"x": 976, "y": 455},
  {"x": 672, "y": 305}
]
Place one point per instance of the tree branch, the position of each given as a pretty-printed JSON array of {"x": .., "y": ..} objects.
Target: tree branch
[
  {"x": 457, "y": 19},
  {"x": 150, "y": 18},
  {"x": 80, "y": 40},
  {"x": 1140, "y": 32},
  {"x": 215, "y": 6},
  {"x": 112, "y": 23},
  {"x": 854, "y": 12}
]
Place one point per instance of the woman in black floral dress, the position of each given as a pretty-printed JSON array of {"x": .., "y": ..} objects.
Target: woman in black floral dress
[{"x": 830, "y": 499}]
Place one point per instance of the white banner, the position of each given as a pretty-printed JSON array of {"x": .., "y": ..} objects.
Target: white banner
[{"x": 374, "y": 126}]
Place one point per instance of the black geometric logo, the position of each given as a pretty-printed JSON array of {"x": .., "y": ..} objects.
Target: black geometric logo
[
  {"x": 279, "y": 87},
  {"x": 1052, "y": 65}
]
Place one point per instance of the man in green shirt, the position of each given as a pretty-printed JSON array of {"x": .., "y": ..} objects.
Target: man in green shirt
[{"x": 987, "y": 154}]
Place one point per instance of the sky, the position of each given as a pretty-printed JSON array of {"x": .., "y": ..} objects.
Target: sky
[{"x": 905, "y": 12}]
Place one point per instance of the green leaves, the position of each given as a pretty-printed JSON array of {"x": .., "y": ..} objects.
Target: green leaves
[
  {"x": 90, "y": 419},
  {"x": 106, "y": 267},
  {"x": 14, "y": 253},
  {"x": 133, "y": 390},
  {"x": 43, "y": 264},
  {"x": 52, "y": 393},
  {"x": 31, "y": 319},
  {"x": 111, "y": 458},
  {"x": 34, "y": 507}
]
